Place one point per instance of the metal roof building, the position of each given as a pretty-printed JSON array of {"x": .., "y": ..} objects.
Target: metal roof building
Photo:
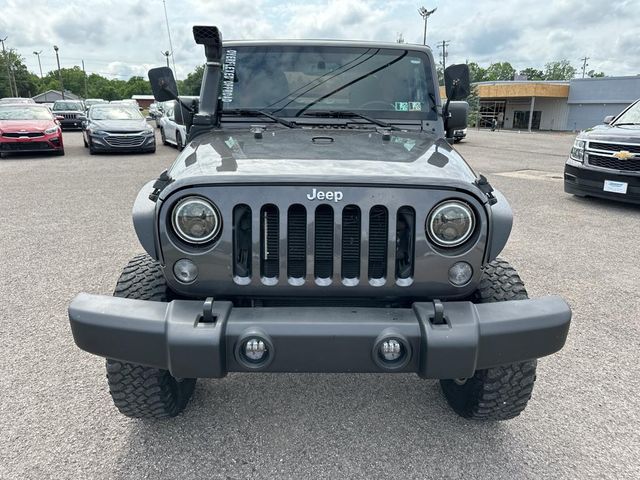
[{"x": 51, "y": 96}]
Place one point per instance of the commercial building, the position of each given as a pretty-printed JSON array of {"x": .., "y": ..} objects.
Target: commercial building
[{"x": 554, "y": 105}]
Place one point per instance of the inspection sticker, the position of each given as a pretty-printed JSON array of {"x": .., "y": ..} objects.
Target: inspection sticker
[{"x": 615, "y": 187}]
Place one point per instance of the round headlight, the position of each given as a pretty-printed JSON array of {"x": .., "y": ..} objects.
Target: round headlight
[
  {"x": 196, "y": 220},
  {"x": 451, "y": 223}
]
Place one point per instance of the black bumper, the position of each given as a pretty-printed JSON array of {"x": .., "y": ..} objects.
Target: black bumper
[
  {"x": 68, "y": 123},
  {"x": 202, "y": 339},
  {"x": 584, "y": 181}
]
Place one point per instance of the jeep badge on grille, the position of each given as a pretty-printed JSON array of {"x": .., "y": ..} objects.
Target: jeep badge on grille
[{"x": 320, "y": 195}]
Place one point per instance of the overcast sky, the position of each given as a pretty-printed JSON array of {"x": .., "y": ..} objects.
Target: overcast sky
[{"x": 120, "y": 39}]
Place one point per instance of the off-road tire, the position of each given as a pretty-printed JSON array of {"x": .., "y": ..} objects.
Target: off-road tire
[
  {"x": 139, "y": 391},
  {"x": 498, "y": 393}
]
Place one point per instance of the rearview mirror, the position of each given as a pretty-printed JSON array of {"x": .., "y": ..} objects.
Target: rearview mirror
[
  {"x": 608, "y": 119},
  {"x": 163, "y": 84},
  {"x": 456, "y": 82}
]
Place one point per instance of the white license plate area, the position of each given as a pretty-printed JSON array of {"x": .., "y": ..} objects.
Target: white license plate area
[{"x": 615, "y": 187}]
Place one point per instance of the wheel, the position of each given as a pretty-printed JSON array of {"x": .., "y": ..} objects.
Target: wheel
[
  {"x": 179, "y": 144},
  {"x": 163, "y": 137},
  {"x": 139, "y": 391},
  {"x": 498, "y": 393}
]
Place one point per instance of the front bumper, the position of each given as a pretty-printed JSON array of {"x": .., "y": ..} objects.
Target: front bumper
[
  {"x": 581, "y": 180},
  {"x": 195, "y": 339},
  {"x": 67, "y": 123},
  {"x": 136, "y": 143},
  {"x": 51, "y": 143}
]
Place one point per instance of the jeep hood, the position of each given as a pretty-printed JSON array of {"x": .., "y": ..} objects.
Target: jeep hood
[{"x": 319, "y": 155}]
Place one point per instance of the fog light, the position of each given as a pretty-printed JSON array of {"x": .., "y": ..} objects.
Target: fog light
[
  {"x": 460, "y": 274},
  {"x": 391, "y": 350},
  {"x": 185, "y": 270},
  {"x": 255, "y": 350}
]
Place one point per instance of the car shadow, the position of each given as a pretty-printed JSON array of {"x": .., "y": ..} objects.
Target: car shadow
[
  {"x": 296, "y": 425},
  {"x": 605, "y": 203}
]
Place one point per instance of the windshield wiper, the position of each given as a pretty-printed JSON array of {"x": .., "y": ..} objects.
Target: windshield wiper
[
  {"x": 626, "y": 123},
  {"x": 348, "y": 114},
  {"x": 242, "y": 111}
]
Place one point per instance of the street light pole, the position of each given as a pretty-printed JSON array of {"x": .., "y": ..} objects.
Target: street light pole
[
  {"x": 37, "y": 54},
  {"x": 166, "y": 54},
  {"x": 424, "y": 13},
  {"x": 9, "y": 72},
  {"x": 55, "y": 47}
]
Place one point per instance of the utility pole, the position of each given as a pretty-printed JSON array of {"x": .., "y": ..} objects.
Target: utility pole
[
  {"x": 86, "y": 90},
  {"x": 443, "y": 45},
  {"x": 424, "y": 13},
  {"x": 166, "y": 54},
  {"x": 55, "y": 47},
  {"x": 37, "y": 54},
  {"x": 9, "y": 70},
  {"x": 584, "y": 65}
]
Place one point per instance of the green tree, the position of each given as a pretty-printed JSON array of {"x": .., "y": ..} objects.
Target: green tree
[
  {"x": 532, "y": 73},
  {"x": 594, "y": 74},
  {"x": 26, "y": 82},
  {"x": 500, "y": 71},
  {"x": 135, "y": 86},
  {"x": 191, "y": 84},
  {"x": 559, "y": 70},
  {"x": 476, "y": 72}
]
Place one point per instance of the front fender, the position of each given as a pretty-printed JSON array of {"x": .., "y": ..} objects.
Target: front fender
[
  {"x": 501, "y": 223},
  {"x": 144, "y": 220}
]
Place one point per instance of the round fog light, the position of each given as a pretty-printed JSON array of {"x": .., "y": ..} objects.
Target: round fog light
[
  {"x": 255, "y": 350},
  {"x": 460, "y": 274},
  {"x": 391, "y": 350},
  {"x": 185, "y": 270}
]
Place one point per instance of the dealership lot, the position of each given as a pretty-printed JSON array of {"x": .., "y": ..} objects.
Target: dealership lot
[{"x": 66, "y": 228}]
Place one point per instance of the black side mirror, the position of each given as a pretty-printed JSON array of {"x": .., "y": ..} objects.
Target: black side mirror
[
  {"x": 183, "y": 115},
  {"x": 456, "y": 82},
  {"x": 458, "y": 113},
  {"x": 163, "y": 84},
  {"x": 608, "y": 119}
]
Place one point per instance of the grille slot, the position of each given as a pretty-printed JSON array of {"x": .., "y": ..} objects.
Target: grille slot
[
  {"x": 269, "y": 241},
  {"x": 297, "y": 242},
  {"x": 242, "y": 241},
  {"x": 614, "y": 147},
  {"x": 23, "y": 134},
  {"x": 631, "y": 165},
  {"x": 378, "y": 232},
  {"x": 124, "y": 140},
  {"x": 26, "y": 146},
  {"x": 405, "y": 242},
  {"x": 323, "y": 259},
  {"x": 351, "y": 242}
]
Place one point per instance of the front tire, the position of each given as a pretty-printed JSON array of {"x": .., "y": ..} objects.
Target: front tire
[
  {"x": 498, "y": 393},
  {"x": 139, "y": 391}
]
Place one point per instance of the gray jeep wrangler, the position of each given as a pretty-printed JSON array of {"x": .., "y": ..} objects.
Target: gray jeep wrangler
[{"x": 318, "y": 220}]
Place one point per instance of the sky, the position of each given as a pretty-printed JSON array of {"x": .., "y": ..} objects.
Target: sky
[{"x": 120, "y": 39}]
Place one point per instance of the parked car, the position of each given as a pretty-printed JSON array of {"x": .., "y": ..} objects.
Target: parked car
[
  {"x": 71, "y": 111},
  {"x": 459, "y": 135},
  {"x": 313, "y": 224},
  {"x": 29, "y": 127},
  {"x": 155, "y": 110},
  {"x": 93, "y": 101},
  {"x": 117, "y": 128},
  {"x": 49, "y": 105},
  {"x": 171, "y": 131},
  {"x": 605, "y": 159},
  {"x": 15, "y": 100}
]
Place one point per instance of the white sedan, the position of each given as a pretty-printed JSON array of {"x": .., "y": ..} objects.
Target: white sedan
[{"x": 170, "y": 131}]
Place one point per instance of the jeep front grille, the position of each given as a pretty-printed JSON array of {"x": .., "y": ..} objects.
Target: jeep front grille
[{"x": 331, "y": 243}]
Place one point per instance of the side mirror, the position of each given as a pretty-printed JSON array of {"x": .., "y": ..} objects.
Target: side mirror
[
  {"x": 163, "y": 84},
  {"x": 608, "y": 119},
  {"x": 458, "y": 113},
  {"x": 182, "y": 115},
  {"x": 456, "y": 82}
]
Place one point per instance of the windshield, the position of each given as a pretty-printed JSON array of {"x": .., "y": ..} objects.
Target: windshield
[
  {"x": 114, "y": 113},
  {"x": 630, "y": 116},
  {"x": 67, "y": 106},
  {"x": 295, "y": 80},
  {"x": 24, "y": 112}
]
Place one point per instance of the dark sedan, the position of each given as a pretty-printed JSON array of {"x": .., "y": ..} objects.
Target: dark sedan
[{"x": 117, "y": 128}]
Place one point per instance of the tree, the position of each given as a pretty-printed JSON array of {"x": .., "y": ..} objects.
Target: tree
[
  {"x": 594, "y": 74},
  {"x": 26, "y": 82},
  {"x": 559, "y": 70},
  {"x": 476, "y": 72},
  {"x": 191, "y": 84},
  {"x": 135, "y": 86},
  {"x": 532, "y": 73},
  {"x": 500, "y": 71}
]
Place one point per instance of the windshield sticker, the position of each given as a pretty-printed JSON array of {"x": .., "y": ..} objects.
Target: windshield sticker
[
  {"x": 407, "y": 106},
  {"x": 228, "y": 75}
]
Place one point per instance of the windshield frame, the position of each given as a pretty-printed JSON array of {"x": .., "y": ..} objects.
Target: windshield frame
[
  {"x": 431, "y": 103},
  {"x": 633, "y": 109}
]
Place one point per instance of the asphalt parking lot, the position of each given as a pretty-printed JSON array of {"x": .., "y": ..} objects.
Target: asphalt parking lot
[{"x": 65, "y": 227}]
